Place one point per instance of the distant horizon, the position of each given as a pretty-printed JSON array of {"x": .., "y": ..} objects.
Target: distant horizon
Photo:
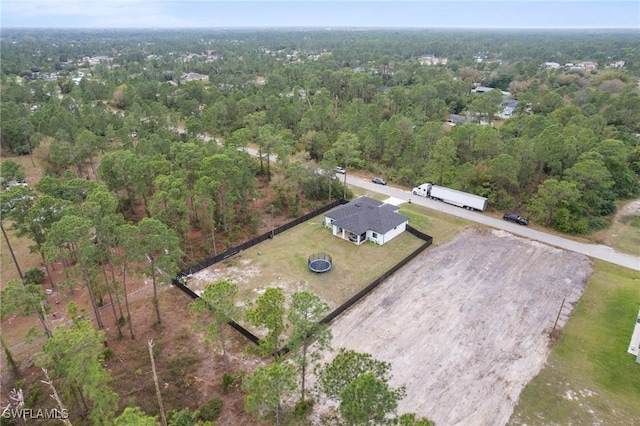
[
  {"x": 325, "y": 28},
  {"x": 322, "y": 14}
]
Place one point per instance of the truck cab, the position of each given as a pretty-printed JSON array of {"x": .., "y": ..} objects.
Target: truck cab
[{"x": 422, "y": 190}]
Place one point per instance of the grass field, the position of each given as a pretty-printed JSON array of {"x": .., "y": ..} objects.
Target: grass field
[
  {"x": 625, "y": 234},
  {"x": 590, "y": 378},
  {"x": 282, "y": 262},
  {"x": 440, "y": 226}
]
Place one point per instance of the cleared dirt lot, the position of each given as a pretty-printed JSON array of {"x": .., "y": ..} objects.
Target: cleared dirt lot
[{"x": 465, "y": 325}]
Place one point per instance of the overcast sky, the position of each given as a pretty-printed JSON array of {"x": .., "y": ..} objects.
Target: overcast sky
[{"x": 320, "y": 13}]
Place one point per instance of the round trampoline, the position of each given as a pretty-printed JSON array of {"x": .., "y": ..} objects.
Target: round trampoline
[{"x": 320, "y": 263}]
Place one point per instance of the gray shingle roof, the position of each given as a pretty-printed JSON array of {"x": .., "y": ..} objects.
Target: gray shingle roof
[{"x": 364, "y": 214}]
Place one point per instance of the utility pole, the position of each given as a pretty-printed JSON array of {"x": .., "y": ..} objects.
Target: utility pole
[
  {"x": 13, "y": 256},
  {"x": 558, "y": 317},
  {"x": 344, "y": 187},
  {"x": 163, "y": 418}
]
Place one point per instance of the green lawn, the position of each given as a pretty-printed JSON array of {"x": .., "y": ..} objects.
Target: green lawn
[
  {"x": 440, "y": 226},
  {"x": 282, "y": 262},
  {"x": 589, "y": 377}
]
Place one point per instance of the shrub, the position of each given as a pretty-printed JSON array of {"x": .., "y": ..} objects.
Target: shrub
[
  {"x": 33, "y": 276},
  {"x": 210, "y": 410},
  {"x": 303, "y": 409},
  {"x": 597, "y": 223},
  {"x": 180, "y": 418},
  {"x": 33, "y": 395},
  {"x": 227, "y": 382},
  {"x": 107, "y": 354}
]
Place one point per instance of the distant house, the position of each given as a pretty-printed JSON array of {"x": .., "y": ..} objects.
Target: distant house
[
  {"x": 194, "y": 76},
  {"x": 551, "y": 65},
  {"x": 95, "y": 60},
  {"x": 430, "y": 59},
  {"x": 508, "y": 108},
  {"x": 589, "y": 65},
  {"x": 617, "y": 64},
  {"x": 366, "y": 219},
  {"x": 480, "y": 57},
  {"x": 481, "y": 89},
  {"x": 454, "y": 119},
  {"x": 52, "y": 76}
]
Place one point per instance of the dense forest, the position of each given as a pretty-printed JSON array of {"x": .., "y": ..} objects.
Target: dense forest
[
  {"x": 564, "y": 154},
  {"x": 140, "y": 132}
]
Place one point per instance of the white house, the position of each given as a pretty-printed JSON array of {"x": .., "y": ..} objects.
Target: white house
[
  {"x": 634, "y": 345},
  {"x": 366, "y": 219},
  {"x": 589, "y": 65}
]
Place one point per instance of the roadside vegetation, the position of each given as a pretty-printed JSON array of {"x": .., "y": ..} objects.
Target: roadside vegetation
[{"x": 624, "y": 233}]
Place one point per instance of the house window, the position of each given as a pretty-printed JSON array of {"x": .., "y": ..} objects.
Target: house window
[{"x": 374, "y": 235}]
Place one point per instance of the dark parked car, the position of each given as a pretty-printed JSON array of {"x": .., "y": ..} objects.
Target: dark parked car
[
  {"x": 379, "y": 181},
  {"x": 512, "y": 217}
]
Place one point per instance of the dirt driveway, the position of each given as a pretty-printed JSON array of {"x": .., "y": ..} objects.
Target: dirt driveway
[{"x": 465, "y": 325}]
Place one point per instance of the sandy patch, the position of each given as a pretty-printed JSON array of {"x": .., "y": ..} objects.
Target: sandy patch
[{"x": 243, "y": 273}]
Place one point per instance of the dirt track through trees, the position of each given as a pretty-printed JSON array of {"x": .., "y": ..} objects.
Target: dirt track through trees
[{"x": 465, "y": 325}]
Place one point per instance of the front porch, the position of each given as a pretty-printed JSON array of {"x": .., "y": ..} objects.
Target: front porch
[{"x": 350, "y": 236}]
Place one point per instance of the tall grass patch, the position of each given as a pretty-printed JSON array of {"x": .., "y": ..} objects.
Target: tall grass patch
[{"x": 625, "y": 234}]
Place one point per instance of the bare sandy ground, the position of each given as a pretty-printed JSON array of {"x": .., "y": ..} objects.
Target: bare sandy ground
[{"x": 465, "y": 325}]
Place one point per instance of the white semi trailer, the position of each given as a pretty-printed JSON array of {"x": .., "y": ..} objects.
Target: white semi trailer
[{"x": 451, "y": 196}]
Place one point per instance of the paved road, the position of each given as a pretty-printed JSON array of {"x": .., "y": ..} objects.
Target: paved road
[
  {"x": 593, "y": 250},
  {"x": 597, "y": 251}
]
